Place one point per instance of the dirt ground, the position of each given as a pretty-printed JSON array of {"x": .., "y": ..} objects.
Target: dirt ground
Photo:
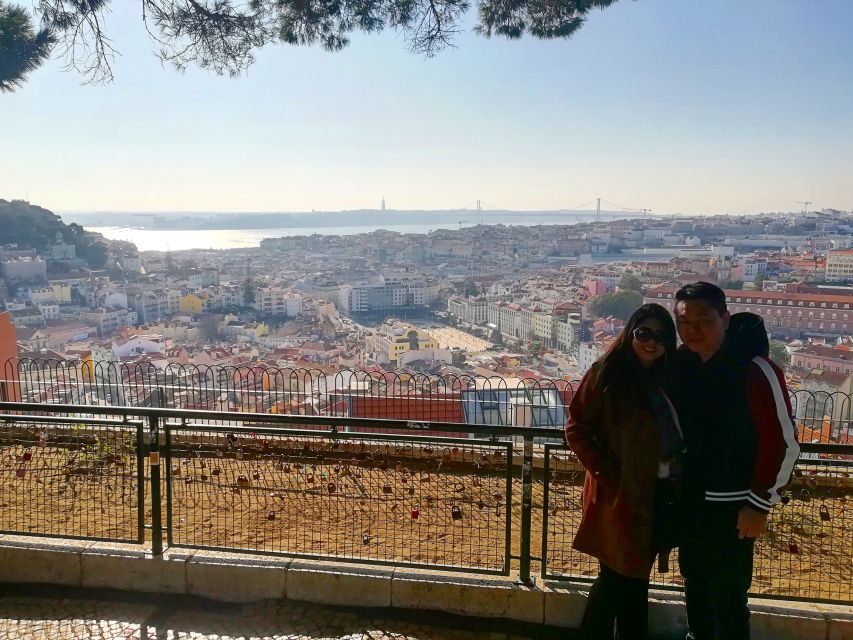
[{"x": 443, "y": 505}]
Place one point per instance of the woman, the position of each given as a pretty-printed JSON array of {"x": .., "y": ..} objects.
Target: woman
[{"x": 624, "y": 431}]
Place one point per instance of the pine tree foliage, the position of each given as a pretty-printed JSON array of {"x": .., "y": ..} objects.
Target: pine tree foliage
[
  {"x": 22, "y": 48},
  {"x": 224, "y": 35}
]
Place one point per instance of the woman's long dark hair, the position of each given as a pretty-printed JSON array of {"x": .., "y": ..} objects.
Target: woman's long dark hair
[{"x": 619, "y": 365}]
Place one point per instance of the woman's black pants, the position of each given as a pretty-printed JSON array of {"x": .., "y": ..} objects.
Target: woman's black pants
[{"x": 616, "y": 602}]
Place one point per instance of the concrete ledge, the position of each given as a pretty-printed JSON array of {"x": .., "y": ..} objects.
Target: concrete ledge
[
  {"x": 841, "y": 628},
  {"x": 774, "y": 619},
  {"x": 565, "y": 603},
  {"x": 339, "y": 583},
  {"x": 232, "y": 577},
  {"x": 41, "y": 560},
  {"x": 466, "y": 594},
  {"x": 243, "y": 578},
  {"x": 131, "y": 568}
]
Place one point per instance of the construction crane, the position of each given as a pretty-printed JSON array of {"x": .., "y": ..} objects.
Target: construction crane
[{"x": 805, "y": 204}]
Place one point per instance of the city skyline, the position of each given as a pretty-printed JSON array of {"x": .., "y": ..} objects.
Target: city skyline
[{"x": 662, "y": 105}]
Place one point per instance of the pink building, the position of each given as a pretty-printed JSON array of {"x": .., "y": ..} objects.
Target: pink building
[
  {"x": 816, "y": 356},
  {"x": 595, "y": 287}
]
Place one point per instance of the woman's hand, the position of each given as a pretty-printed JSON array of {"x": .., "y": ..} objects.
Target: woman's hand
[{"x": 751, "y": 523}]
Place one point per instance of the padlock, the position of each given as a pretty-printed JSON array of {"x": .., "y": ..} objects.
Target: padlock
[
  {"x": 456, "y": 512},
  {"x": 386, "y": 488},
  {"x": 411, "y": 491},
  {"x": 28, "y": 455},
  {"x": 215, "y": 471},
  {"x": 792, "y": 546},
  {"x": 824, "y": 513},
  {"x": 242, "y": 481},
  {"x": 416, "y": 513},
  {"x": 331, "y": 488},
  {"x": 271, "y": 515}
]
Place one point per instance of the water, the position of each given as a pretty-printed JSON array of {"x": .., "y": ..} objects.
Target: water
[
  {"x": 183, "y": 239},
  {"x": 180, "y": 240}
]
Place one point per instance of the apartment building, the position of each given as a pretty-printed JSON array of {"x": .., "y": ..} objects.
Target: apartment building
[
  {"x": 471, "y": 310},
  {"x": 275, "y": 301},
  {"x": 107, "y": 320},
  {"x": 23, "y": 269},
  {"x": 837, "y": 359},
  {"x": 383, "y": 295},
  {"x": 785, "y": 313},
  {"x": 839, "y": 265}
]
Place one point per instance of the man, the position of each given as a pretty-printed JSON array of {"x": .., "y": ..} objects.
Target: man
[{"x": 741, "y": 451}]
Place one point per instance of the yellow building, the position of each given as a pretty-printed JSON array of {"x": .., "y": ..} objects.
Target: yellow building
[
  {"x": 394, "y": 339},
  {"x": 193, "y": 303}
]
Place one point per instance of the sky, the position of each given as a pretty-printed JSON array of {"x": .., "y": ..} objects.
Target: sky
[{"x": 730, "y": 106}]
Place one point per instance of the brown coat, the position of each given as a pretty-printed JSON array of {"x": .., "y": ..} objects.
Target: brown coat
[{"x": 617, "y": 441}]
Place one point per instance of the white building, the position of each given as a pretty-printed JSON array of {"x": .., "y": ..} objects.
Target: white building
[
  {"x": 275, "y": 301},
  {"x": 839, "y": 265},
  {"x": 23, "y": 269},
  {"x": 383, "y": 295}
]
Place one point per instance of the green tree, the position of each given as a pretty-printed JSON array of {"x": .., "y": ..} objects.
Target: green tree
[
  {"x": 779, "y": 354},
  {"x": 248, "y": 292},
  {"x": 224, "y": 35},
  {"x": 758, "y": 281},
  {"x": 630, "y": 282},
  {"x": 459, "y": 358},
  {"x": 22, "y": 48},
  {"x": 619, "y": 304}
]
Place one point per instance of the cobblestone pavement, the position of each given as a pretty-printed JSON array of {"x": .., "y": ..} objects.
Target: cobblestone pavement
[{"x": 32, "y": 618}]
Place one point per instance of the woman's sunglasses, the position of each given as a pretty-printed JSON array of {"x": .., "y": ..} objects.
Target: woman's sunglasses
[{"x": 644, "y": 334}]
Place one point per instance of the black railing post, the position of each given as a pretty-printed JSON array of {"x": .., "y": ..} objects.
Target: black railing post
[
  {"x": 156, "y": 502},
  {"x": 526, "y": 509}
]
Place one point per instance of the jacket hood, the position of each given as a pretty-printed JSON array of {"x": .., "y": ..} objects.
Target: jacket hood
[{"x": 747, "y": 337}]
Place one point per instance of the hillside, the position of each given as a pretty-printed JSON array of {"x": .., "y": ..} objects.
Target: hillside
[{"x": 29, "y": 225}]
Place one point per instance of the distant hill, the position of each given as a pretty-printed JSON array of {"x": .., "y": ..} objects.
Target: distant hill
[{"x": 29, "y": 225}]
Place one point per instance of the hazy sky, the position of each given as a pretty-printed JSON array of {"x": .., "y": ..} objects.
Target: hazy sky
[{"x": 674, "y": 105}]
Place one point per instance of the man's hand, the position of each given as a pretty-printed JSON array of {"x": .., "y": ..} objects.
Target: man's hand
[{"x": 751, "y": 523}]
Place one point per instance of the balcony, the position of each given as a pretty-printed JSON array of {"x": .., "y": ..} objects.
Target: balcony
[{"x": 299, "y": 484}]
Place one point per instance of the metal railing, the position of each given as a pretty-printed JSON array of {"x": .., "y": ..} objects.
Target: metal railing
[
  {"x": 72, "y": 478},
  {"x": 821, "y": 415},
  {"x": 441, "y": 495}
]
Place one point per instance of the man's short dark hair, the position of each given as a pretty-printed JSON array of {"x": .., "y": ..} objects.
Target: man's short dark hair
[{"x": 708, "y": 293}]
